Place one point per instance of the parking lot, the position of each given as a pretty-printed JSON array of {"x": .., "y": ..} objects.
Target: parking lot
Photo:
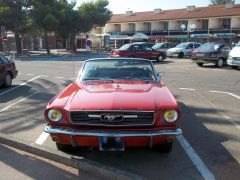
[{"x": 209, "y": 98}]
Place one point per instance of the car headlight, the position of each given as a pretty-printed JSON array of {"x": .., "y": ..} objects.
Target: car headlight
[
  {"x": 54, "y": 115},
  {"x": 229, "y": 57},
  {"x": 171, "y": 115}
]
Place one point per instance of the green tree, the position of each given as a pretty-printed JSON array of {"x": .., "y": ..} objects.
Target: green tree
[
  {"x": 215, "y": 2},
  {"x": 69, "y": 22},
  {"x": 83, "y": 19},
  {"x": 45, "y": 16},
  {"x": 13, "y": 15}
]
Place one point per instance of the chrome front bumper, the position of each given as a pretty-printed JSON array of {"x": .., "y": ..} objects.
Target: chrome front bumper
[{"x": 71, "y": 132}]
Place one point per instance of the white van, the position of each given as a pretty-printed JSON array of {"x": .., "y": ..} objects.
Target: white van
[{"x": 234, "y": 57}]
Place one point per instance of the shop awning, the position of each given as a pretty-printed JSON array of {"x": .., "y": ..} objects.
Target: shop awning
[
  {"x": 224, "y": 35},
  {"x": 200, "y": 35},
  {"x": 177, "y": 36}
]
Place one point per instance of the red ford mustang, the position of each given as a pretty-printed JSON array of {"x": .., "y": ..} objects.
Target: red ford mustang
[{"x": 113, "y": 105}]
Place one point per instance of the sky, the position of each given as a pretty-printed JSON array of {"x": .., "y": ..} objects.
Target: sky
[{"x": 121, "y": 6}]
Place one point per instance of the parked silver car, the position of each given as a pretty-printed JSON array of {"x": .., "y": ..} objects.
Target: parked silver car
[
  {"x": 183, "y": 49},
  {"x": 163, "y": 46},
  {"x": 234, "y": 57}
]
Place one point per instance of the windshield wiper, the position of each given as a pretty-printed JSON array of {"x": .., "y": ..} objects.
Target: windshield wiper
[{"x": 94, "y": 79}]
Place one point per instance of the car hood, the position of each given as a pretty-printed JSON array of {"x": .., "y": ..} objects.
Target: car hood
[
  {"x": 235, "y": 52},
  {"x": 121, "y": 96},
  {"x": 174, "y": 50}
]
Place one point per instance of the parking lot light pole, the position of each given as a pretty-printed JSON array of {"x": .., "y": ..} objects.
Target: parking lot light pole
[{"x": 188, "y": 29}]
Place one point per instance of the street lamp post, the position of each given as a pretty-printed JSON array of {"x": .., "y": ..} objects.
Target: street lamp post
[{"x": 188, "y": 29}]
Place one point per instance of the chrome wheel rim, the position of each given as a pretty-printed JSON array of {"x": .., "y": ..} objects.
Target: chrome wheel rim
[
  {"x": 8, "y": 80},
  {"x": 160, "y": 58}
]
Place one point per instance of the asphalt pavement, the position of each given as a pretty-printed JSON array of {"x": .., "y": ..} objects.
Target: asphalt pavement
[
  {"x": 209, "y": 98},
  {"x": 16, "y": 164}
]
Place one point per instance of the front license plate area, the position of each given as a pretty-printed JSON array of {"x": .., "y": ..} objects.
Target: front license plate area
[{"x": 111, "y": 144}]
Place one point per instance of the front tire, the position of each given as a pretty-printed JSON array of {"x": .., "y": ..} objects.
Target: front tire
[
  {"x": 181, "y": 55},
  {"x": 200, "y": 64},
  {"x": 64, "y": 147},
  {"x": 164, "y": 148},
  {"x": 7, "y": 82}
]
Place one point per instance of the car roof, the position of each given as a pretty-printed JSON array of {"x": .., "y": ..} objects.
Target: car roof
[
  {"x": 221, "y": 43},
  {"x": 140, "y": 43}
]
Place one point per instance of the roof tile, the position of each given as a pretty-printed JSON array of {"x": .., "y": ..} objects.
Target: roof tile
[{"x": 175, "y": 14}]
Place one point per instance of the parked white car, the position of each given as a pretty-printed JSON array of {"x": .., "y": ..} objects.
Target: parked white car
[
  {"x": 183, "y": 49},
  {"x": 234, "y": 57}
]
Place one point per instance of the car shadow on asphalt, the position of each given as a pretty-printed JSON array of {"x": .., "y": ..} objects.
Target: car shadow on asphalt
[
  {"x": 21, "y": 92},
  {"x": 212, "y": 66},
  {"x": 20, "y": 165},
  {"x": 151, "y": 164},
  {"x": 166, "y": 61},
  {"x": 208, "y": 143}
]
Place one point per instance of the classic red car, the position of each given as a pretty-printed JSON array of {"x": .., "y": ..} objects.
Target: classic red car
[
  {"x": 112, "y": 105},
  {"x": 7, "y": 71},
  {"x": 138, "y": 50}
]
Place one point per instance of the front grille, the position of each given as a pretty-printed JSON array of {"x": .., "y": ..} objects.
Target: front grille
[
  {"x": 236, "y": 58},
  {"x": 112, "y": 118}
]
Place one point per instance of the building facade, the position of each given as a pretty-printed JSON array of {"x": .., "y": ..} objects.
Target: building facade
[{"x": 211, "y": 23}]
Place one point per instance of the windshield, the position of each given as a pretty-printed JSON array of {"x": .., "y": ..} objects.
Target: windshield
[
  {"x": 182, "y": 45},
  {"x": 238, "y": 44},
  {"x": 210, "y": 47},
  {"x": 117, "y": 69},
  {"x": 125, "y": 47},
  {"x": 158, "y": 45}
]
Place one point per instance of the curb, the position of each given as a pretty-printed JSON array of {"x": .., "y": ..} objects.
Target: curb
[{"x": 106, "y": 172}]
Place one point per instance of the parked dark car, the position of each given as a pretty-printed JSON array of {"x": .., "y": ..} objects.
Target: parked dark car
[
  {"x": 138, "y": 50},
  {"x": 163, "y": 46},
  {"x": 7, "y": 71},
  {"x": 212, "y": 52}
]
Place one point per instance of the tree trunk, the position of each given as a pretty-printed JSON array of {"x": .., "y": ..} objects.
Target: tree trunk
[
  {"x": 46, "y": 43},
  {"x": 18, "y": 43},
  {"x": 35, "y": 43},
  {"x": 72, "y": 42}
]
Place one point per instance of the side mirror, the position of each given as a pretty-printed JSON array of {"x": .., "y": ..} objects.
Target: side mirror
[{"x": 160, "y": 75}]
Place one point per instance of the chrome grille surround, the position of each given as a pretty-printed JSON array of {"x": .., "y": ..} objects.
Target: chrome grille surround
[{"x": 112, "y": 118}]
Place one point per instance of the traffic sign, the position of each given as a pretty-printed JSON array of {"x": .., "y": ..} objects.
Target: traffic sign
[{"x": 5, "y": 39}]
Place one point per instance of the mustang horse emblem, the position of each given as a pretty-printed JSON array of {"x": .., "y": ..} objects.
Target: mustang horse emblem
[{"x": 110, "y": 118}]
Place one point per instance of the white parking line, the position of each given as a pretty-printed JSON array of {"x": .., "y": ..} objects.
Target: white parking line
[
  {"x": 230, "y": 94},
  {"x": 225, "y": 116},
  {"x": 9, "y": 106},
  {"x": 218, "y": 70},
  {"x": 20, "y": 85},
  {"x": 42, "y": 138},
  {"x": 188, "y": 89},
  {"x": 197, "y": 161},
  {"x": 30, "y": 74},
  {"x": 59, "y": 77}
]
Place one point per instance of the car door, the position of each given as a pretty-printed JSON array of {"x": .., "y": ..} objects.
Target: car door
[
  {"x": 137, "y": 51},
  {"x": 149, "y": 53},
  {"x": 3, "y": 68},
  {"x": 188, "y": 49}
]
